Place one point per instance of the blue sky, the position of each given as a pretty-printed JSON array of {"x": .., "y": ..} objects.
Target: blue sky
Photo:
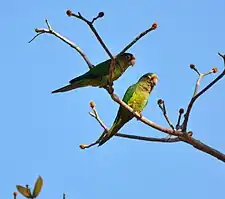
[{"x": 41, "y": 133}]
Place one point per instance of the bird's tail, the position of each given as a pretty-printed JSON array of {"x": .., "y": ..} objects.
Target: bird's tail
[
  {"x": 76, "y": 83},
  {"x": 111, "y": 132},
  {"x": 66, "y": 88}
]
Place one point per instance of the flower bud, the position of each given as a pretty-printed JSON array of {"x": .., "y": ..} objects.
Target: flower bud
[
  {"x": 190, "y": 133},
  {"x": 181, "y": 111},
  {"x": 154, "y": 26},
  {"x": 215, "y": 70},
  {"x": 101, "y": 14},
  {"x": 69, "y": 13},
  {"x": 92, "y": 104},
  {"x": 160, "y": 101},
  {"x": 192, "y": 66},
  {"x": 83, "y": 146}
]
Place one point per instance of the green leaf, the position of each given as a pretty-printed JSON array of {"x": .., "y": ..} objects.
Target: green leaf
[
  {"x": 37, "y": 187},
  {"x": 24, "y": 191}
]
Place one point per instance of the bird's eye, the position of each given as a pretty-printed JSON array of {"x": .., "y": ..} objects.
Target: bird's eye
[{"x": 128, "y": 57}]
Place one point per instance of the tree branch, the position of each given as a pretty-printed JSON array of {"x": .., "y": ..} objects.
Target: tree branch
[
  {"x": 151, "y": 139},
  {"x": 153, "y": 27},
  {"x": 185, "y": 137},
  {"x": 203, "y": 147},
  {"x": 197, "y": 95},
  {"x": 142, "y": 118},
  {"x": 67, "y": 41},
  {"x": 178, "y": 126},
  {"x": 95, "y": 115},
  {"x": 162, "y": 106},
  {"x": 181, "y": 135},
  {"x": 90, "y": 24},
  {"x": 200, "y": 76}
]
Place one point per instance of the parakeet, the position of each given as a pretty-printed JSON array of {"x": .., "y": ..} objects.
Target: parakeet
[
  {"x": 136, "y": 97},
  {"x": 99, "y": 74}
]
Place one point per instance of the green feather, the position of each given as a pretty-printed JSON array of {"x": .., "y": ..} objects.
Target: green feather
[
  {"x": 136, "y": 97},
  {"x": 99, "y": 75}
]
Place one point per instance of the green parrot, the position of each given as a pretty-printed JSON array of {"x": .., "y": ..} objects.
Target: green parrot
[
  {"x": 98, "y": 75},
  {"x": 136, "y": 97}
]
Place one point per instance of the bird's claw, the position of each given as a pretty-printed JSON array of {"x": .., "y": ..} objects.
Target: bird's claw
[{"x": 138, "y": 118}]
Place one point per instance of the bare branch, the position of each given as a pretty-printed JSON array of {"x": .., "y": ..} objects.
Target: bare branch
[
  {"x": 95, "y": 115},
  {"x": 178, "y": 126},
  {"x": 153, "y": 27},
  {"x": 200, "y": 76},
  {"x": 192, "y": 66},
  {"x": 197, "y": 95},
  {"x": 48, "y": 24},
  {"x": 186, "y": 137},
  {"x": 162, "y": 106},
  {"x": 14, "y": 195},
  {"x": 181, "y": 135},
  {"x": 142, "y": 118},
  {"x": 151, "y": 139},
  {"x": 90, "y": 24},
  {"x": 203, "y": 147},
  {"x": 111, "y": 69},
  {"x": 223, "y": 57},
  {"x": 67, "y": 41},
  {"x": 35, "y": 37}
]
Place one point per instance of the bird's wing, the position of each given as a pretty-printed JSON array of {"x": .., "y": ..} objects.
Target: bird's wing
[
  {"x": 97, "y": 71},
  {"x": 101, "y": 69},
  {"x": 127, "y": 96}
]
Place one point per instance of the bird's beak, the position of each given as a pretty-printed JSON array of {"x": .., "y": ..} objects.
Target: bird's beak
[
  {"x": 132, "y": 61},
  {"x": 154, "y": 79}
]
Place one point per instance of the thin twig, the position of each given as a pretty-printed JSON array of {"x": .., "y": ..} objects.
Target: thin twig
[
  {"x": 35, "y": 37},
  {"x": 203, "y": 147},
  {"x": 67, "y": 41},
  {"x": 14, "y": 195},
  {"x": 200, "y": 76},
  {"x": 111, "y": 69},
  {"x": 181, "y": 134},
  {"x": 153, "y": 27},
  {"x": 197, "y": 95},
  {"x": 162, "y": 106},
  {"x": 178, "y": 126},
  {"x": 90, "y": 24},
  {"x": 186, "y": 137},
  {"x": 151, "y": 139},
  {"x": 95, "y": 115},
  {"x": 197, "y": 84},
  {"x": 142, "y": 118}
]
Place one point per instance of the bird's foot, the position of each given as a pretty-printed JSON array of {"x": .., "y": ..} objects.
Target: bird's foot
[
  {"x": 109, "y": 88},
  {"x": 110, "y": 84},
  {"x": 138, "y": 118}
]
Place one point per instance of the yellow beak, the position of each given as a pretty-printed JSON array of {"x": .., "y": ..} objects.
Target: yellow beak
[
  {"x": 154, "y": 77},
  {"x": 132, "y": 62}
]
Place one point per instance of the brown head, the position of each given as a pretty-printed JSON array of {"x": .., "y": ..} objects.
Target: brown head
[
  {"x": 125, "y": 60},
  {"x": 149, "y": 80}
]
